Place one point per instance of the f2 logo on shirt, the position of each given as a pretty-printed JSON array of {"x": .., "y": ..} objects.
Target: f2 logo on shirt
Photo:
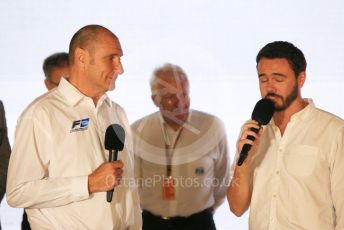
[{"x": 80, "y": 125}]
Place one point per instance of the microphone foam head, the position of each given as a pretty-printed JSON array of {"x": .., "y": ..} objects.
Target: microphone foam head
[
  {"x": 114, "y": 137},
  {"x": 263, "y": 111}
]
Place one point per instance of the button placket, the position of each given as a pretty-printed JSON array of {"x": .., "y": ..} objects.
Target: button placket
[{"x": 276, "y": 181}]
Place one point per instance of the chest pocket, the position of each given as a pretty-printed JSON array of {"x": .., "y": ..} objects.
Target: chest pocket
[{"x": 300, "y": 160}]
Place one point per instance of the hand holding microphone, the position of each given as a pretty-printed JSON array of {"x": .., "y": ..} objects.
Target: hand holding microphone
[
  {"x": 108, "y": 174},
  {"x": 114, "y": 142},
  {"x": 105, "y": 177},
  {"x": 262, "y": 114}
]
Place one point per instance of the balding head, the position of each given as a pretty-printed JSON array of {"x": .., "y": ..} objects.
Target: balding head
[
  {"x": 85, "y": 38},
  {"x": 95, "y": 61}
]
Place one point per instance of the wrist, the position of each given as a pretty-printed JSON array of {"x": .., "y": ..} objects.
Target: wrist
[{"x": 90, "y": 184}]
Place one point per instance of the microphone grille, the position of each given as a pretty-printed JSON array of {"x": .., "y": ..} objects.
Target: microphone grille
[
  {"x": 263, "y": 111},
  {"x": 114, "y": 137}
]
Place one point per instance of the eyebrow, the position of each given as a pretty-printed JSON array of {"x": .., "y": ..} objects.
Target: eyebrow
[
  {"x": 112, "y": 55},
  {"x": 273, "y": 74}
]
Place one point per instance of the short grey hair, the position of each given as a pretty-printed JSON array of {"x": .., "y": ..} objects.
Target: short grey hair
[{"x": 168, "y": 68}]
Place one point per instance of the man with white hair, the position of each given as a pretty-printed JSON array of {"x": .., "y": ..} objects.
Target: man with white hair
[{"x": 181, "y": 158}]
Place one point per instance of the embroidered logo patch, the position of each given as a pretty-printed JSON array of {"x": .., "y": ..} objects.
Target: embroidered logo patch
[{"x": 80, "y": 125}]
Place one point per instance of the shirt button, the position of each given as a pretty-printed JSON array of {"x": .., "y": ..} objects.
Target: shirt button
[
  {"x": 274, "y": 195},
  {"x": 277, "y": 172}
]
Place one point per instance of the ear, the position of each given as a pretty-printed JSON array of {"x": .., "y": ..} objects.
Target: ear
[
  {"x": 302, "y": 78},
  {"x": 80, "y": 56},
  {"x": 155, "y": 100}
]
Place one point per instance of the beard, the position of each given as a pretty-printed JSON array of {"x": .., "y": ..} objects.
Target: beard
[{"x": 286, "y": 101}]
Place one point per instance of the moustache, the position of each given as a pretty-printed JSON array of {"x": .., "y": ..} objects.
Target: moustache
[{"x": 273, "y": 95}]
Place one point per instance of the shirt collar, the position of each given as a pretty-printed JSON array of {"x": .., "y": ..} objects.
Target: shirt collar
[
  {"x": 105, "y": 98},
  {"x": 163, "y": 123},
  {"x": 305, "y": 112},
  {"x": 74, "y": 96},
  {"x": 302, "y": 114}
]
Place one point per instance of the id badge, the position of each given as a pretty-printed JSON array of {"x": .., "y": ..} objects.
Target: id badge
[{"x": 168, "y": 192}]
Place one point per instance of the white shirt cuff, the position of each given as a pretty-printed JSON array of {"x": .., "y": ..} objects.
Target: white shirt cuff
[{"x": 80, "y": 188}]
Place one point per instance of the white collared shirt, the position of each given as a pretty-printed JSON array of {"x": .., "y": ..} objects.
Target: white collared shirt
[
  {"x": 298, "y": 178},
  {"x": 59, "y": 141},
  {"x": 200, "y": 164}
]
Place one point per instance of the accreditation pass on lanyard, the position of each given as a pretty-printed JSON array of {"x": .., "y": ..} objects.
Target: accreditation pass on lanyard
[{"x": 168, "y": 185}]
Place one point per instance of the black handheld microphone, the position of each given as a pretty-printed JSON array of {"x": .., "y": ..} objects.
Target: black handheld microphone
[
  {"x": 262, "y": 113},
  {"x": 114, "y": 142}
]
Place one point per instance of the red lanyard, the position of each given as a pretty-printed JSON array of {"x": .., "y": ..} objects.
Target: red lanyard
[{"x": 169, "y": 150}]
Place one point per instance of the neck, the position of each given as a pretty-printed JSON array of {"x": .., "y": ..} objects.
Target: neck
[
  {"x": 282, "y": 118},
  {"x": 85, "y": 89},
  {"x": 173, "y": 125},
  {"x": 173, "y": 121}
]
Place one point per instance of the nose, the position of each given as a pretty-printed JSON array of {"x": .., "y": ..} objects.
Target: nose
[
  {"x": 270, "y": 87},
  {"x": 118, "y": 68}
]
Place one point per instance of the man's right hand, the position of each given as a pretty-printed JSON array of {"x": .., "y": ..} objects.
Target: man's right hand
[
  {"x": 245, "y": 132},
  {"x": 105, "y": 177},
  {"x": 239, "y": 192}
]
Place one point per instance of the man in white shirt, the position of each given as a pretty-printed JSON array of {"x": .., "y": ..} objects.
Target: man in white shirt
[
  {"x": 58, "y": 168},
  {"x": 181, "y": 158},
  {"x": 293, "y": 175},
  {"x": 55, "y": 66}
]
